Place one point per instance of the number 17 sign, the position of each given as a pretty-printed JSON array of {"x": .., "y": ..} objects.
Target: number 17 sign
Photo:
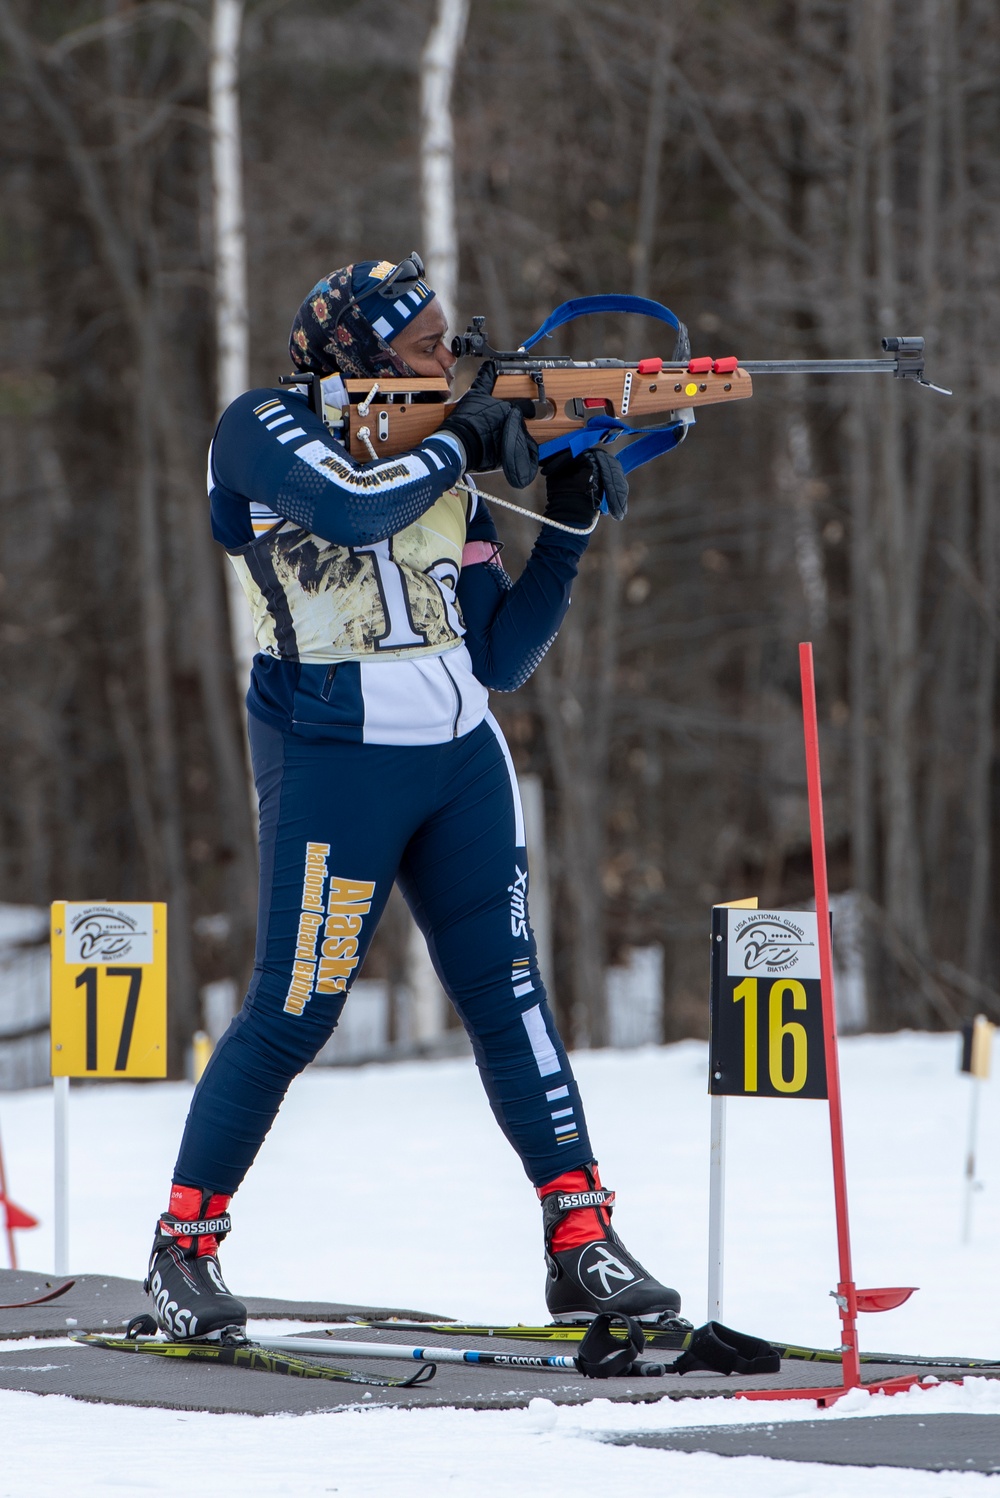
[
  {"x": 767, "y": 1015},
  {"x": 109, "y": 990}
]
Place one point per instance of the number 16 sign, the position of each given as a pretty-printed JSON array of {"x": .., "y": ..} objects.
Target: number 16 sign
[
  {"x": 109, "y": 990},
  {"x": 767, "y": 1017}
]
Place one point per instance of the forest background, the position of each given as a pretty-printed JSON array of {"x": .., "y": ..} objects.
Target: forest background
[{"x": 796, "y": 178}]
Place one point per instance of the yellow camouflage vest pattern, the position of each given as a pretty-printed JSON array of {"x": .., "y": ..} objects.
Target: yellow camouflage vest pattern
[{"x": 317, "y": 602}]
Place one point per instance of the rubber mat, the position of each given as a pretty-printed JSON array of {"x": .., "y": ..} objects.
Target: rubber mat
[
  {"x": 104, "y": 1303},
  {"x": 932, "y": 1443}
]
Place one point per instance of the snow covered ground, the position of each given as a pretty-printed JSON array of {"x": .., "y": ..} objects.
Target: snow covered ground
[{"x": 410, "y": 1196}]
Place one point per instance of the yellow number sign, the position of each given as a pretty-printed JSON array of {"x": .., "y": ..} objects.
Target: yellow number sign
[{"x": 109, "y": 989}]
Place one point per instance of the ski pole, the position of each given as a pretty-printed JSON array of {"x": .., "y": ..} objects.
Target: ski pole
[{"x": 328, "y": 1347}]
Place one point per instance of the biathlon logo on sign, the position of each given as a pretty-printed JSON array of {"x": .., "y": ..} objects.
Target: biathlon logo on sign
[
  {"x": 763, "y": 942},
  {"x": 335, "y": 914},
  {"x": 109, "y": 933}
]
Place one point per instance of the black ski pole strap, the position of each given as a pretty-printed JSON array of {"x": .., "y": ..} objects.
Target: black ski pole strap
[
  {"x": 602, "y": 1354},
  {"x": 718, "y": 1349}
]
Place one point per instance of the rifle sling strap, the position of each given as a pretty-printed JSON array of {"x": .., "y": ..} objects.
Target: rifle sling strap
[{"x": 651, "y": 442}]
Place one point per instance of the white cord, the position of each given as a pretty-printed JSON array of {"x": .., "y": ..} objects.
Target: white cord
[
  {"x": 366, "y": 404},
  {"x": 365, "y": 436},
  {"x": 494, "y": 499}
]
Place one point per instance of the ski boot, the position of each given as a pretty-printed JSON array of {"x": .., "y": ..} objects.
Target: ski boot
[
  {"x": 590, "y": 1269},
  {"x": 184, "y": 1280}
]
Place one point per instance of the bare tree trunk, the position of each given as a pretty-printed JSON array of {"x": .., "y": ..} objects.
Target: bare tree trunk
[
  {"x": 980, "y": 774},
  {"x": 437, "y": 149},
  {"x": 579, "y": 703},
  {"x": 158, "y": 691},
  {"x": 795, "y": 480},
  {"x": 947, "y": 701},
  {"x": 862, "y": 657},
  {"x": 232, "y": 327},
  {"x": 136, "y": 780},
  {"x": 580, "y": 794},
  {"x": 652, "y": 158},
  {"x": 902, "y": 540},
  {"x": 859, "y": 473}
]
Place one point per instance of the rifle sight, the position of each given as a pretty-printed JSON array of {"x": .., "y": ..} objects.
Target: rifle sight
[{"x": 475, "y": 342}]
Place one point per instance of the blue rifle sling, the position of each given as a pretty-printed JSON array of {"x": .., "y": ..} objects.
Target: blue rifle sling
[
  {"x": 650, "y": 442},
  {"x": 585, "y": 306}
]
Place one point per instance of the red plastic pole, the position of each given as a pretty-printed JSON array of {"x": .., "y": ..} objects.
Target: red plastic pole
[{"x": 846, "y": 1290}]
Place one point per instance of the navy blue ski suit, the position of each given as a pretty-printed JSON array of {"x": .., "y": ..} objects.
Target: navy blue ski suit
[{"x": 383, "y": 617}]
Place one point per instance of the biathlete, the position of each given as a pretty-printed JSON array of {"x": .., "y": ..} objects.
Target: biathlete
[{"x": 383, "y": 618}]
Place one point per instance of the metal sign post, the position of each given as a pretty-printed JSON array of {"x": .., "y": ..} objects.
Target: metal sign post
[
  {"x": 977, "y": 1047},
  {"x": 108, "y": 1013},
  {"x": 60, "y": 1120},
  {"x": 717, "y": 1180},
  {"x": 717, "y": 1210}
]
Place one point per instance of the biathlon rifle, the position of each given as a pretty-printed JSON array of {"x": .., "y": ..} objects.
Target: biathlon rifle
[{"x": 574, "y": 403}]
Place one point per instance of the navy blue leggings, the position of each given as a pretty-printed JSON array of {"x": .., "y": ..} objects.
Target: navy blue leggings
[{"x": 339, "y": 823}]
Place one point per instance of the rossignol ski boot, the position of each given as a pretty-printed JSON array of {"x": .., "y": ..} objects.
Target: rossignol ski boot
[
  {"x": 590, "y": 1269},
  {"x": 190, "y": 1297}
]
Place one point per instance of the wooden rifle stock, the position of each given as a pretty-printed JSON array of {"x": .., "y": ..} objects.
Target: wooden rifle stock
[{"x": 555, "y": 401}]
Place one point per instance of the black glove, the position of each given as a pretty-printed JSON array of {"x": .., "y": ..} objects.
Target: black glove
[
  {"x": 493, "y": 432},
  {"x": 574, "y": 487}
]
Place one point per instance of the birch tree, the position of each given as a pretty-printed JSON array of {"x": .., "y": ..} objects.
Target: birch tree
[
  {"x": 437, "y": 149},
  {"x": 232, "y": 324}
]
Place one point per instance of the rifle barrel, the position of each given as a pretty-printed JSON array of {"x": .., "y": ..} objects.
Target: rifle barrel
[
  {"x": 819, "y": 366},
  {"x": 524, "y": 364}
]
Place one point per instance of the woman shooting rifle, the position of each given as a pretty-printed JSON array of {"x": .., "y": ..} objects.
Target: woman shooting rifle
[{"x": 383, "y": 618}]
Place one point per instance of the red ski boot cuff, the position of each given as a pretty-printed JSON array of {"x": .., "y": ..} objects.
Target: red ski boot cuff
[
  {"x": 196, "y": 1215},
  {"x": 576, "y": 1209}
]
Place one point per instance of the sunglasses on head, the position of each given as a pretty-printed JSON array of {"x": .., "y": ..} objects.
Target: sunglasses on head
[{"x": 407, "y": 273}]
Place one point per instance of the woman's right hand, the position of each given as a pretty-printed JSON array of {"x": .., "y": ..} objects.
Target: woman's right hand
[{"x": 493, "y": 432}]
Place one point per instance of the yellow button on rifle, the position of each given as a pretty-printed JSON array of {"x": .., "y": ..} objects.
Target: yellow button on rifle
[{"x": 690, "y": 389}]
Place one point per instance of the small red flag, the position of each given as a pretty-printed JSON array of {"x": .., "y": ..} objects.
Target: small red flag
[{"x": 16, "y": 1217}]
